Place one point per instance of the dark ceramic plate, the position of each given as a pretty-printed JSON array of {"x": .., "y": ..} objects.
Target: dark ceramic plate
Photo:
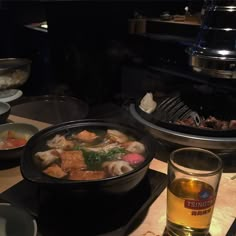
[{"x": 122, "y": 183}]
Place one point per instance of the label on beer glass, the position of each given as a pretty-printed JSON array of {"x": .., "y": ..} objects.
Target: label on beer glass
[
  {"x": 206, "y": 200},
  {"x": 190, "y": 203}
]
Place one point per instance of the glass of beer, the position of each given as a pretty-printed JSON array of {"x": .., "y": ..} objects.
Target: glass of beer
[{"x": 193, "y": 179}]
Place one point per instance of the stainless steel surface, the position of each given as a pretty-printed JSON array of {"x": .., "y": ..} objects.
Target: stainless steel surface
[
  {"x": 225, "y": 8},
  {"x": 173, "y": 108},
  {"x": 214, "y": 143},
  {"x": 214, "y": 52},
  {"x": 214, "y": 66}
]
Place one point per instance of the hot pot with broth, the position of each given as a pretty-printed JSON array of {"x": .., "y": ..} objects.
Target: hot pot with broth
[{"x": 88, "y": 155}]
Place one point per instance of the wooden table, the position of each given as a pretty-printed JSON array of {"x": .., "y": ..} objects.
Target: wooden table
[{"x": 154, "y": 223}]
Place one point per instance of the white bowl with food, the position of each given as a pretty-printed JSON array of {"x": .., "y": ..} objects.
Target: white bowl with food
[
  {"x": 13, "y": 138},
  {"x": 14, "y": 72}
]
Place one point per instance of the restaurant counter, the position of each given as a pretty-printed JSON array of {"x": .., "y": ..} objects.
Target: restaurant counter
[{"x": 154, "y": 222}]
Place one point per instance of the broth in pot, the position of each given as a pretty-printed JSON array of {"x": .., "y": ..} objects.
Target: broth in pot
[{"x": 90, "y": 154}]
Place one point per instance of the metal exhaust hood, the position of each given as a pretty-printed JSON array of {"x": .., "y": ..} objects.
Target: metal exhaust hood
[{"x": 214, "y": 52}]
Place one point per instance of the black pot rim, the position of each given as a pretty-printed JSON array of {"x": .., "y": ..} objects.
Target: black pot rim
[{"x": 37, "y": 176}]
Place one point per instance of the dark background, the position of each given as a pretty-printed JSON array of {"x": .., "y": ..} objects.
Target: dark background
[{"x": 87, "y": 48}]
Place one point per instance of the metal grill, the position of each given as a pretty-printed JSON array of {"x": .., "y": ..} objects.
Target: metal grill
[{"x": 173, "y": 108}]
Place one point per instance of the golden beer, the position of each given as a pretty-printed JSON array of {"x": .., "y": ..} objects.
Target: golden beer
[{"x": 190, "y": 205}]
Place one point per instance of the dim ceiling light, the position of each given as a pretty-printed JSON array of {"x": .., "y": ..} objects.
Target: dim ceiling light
[
  {"x": 228, "y": 29},
  {"x": 223, "y": 52},
  {"x": 231, "y": 9},
  {"x": 44, "y": 26}
]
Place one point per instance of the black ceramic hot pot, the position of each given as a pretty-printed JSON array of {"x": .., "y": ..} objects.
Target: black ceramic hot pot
[{"x": 111, "y": 185}]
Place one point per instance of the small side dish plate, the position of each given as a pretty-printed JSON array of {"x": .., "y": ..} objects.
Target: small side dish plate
[
  {"x": 13, "y": 137},
  {"x": 15, "y": 221}
]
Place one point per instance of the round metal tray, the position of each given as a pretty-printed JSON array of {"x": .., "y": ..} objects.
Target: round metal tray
[{"x": 180, "y": 138}]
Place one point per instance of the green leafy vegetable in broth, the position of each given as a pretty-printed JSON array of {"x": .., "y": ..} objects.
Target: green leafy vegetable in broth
[{"x": 94, "y": 160}]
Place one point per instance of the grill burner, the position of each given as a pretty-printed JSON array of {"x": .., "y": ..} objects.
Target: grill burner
[
  {"x": 161, "y": 124},
  {"x": 196, "y": 105}
]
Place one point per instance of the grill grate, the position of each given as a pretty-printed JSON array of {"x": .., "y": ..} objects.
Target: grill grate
[{"x": 173, "y": 108}]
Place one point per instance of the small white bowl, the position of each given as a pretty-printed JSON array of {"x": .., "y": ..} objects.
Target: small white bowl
[{"x": 15, "y": 221}]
